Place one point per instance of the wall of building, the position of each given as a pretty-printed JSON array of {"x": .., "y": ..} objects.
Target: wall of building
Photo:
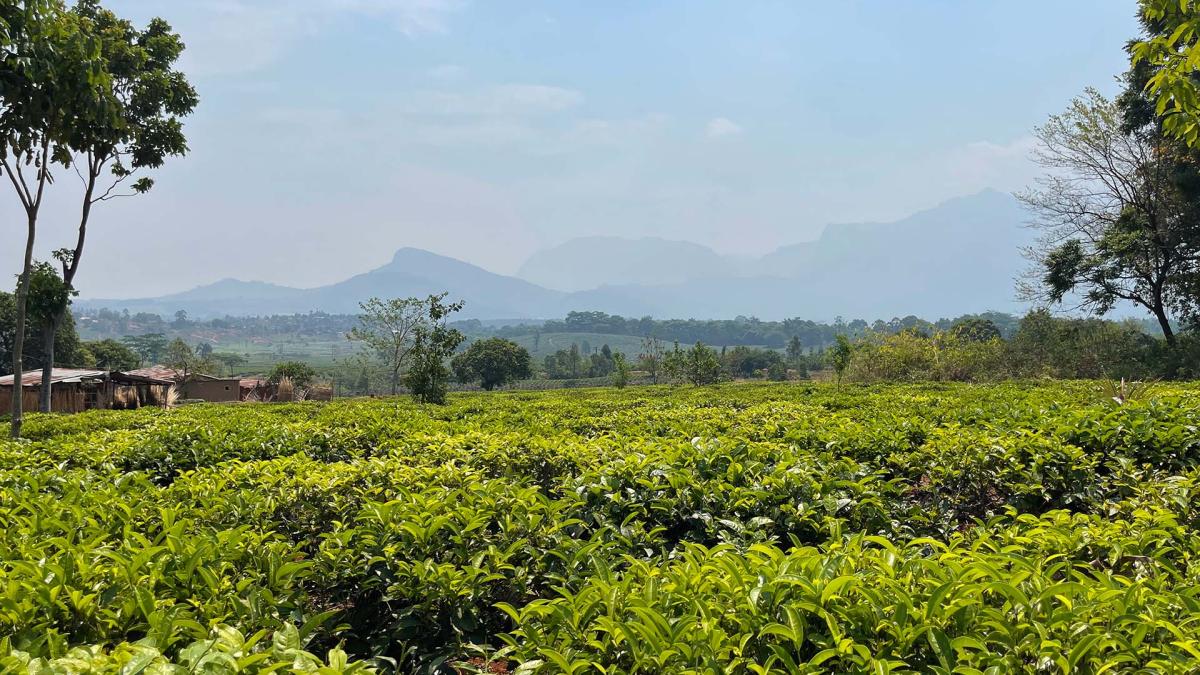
[
  {"x": 63, "y": 398},
  {"x": 215, "y": 391}
]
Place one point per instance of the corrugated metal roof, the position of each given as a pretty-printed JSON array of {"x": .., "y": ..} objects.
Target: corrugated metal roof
[
  {"x": 157, "y": 372},
  {"x": 161, "y": 372},
  {"x": 32, "y": 378}
]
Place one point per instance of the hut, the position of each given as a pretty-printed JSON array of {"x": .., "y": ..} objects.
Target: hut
[
  {"x": 75, "y": 390},
  {"x": 196, "y": 386}
]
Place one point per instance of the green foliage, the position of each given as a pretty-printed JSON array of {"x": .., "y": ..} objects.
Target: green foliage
[
  {"x": 493, "y": 362},
  {"x": 620, "y": 374},
  {"x": 975, "y": 329},
  {"x": 68, "y": 350},
  {"x": 49, "y": 297},
  {"x": 301, "y": 374},
  {"x": 184, "y": 360},
  {"x": 150, "y": 348},
  {"x": 698, "y": 365},
  {"x": 110, "y": 354},
  {"x": 433, "y": 341},
  {"x": 412, "y": 334},
  {"x": 1169, "y": 50},
  {"x": 751, "y": 362},
  {"x": 748, "y": 528},
  {"x": 840, "y": 356},
  {"x": 1116, "y": 195}
]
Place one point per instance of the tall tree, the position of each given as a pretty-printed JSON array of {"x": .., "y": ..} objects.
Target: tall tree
[
  {"x": 388, "y": 328},
  {"x": 49, "y": 78},
  {"x": 134, "y": 127},
  {"x": 494, "y": 362},
  {"x": 1115, "y": 226}
]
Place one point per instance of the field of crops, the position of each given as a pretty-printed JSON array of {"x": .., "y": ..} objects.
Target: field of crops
[{"x": 740, "y": 528}]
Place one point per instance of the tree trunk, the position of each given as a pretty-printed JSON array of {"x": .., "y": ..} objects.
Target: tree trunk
[
  {"x": 48, "y": 330},
  {"x": 395, "y": 381},
  {"x": 69, "y": 271},
  {"x": 19, "y": 338},
  {"x": 1165, "y": 324}
]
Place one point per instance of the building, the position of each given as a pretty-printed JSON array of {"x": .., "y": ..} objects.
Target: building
[
  {"x": 75, "y": 390},
  {"x": 196, "y": 386}
]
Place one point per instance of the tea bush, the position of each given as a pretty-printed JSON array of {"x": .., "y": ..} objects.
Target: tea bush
[{"x": 741, "y": 528}]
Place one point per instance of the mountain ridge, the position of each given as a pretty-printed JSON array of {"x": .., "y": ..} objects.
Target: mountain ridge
[{"x": 961, "y": 256}]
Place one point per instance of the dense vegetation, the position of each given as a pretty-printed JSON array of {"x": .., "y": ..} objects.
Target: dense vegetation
[{"x": 742, "y": 528}]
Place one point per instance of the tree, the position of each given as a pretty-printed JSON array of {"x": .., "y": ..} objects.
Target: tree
[
  {"x": 651, "y": 358},
  {"x": 975, "y": 329},
  {"x": 388, "y": 328},
  {"x": 574, "y": 360},
  {"x": 150, "y": 347},
  {"x": 795, "y": 350},
  {"x": 494, "y": 362},
  {"x": 840, "y": 355},
  {"x": 1168, "y": 54},
  {"x": 620, "y": 375},
  {"x": 110, "y": 354},
  {"x": 46, "y": 306},
  {"x": 68, "y": 350},
  {"x": 133, "y": 127},
  {"x": 48, "y": 72},
  {"x": 744, "y": 361},
  {"x": 602, "y": 363},
  {"x": 1115, "y": 226},
  {"x": 433, "y": 342},
  {"x": 701, "y": 365},
  {"x": 229, "y": 361},
  {"x": 181, "y": 358},
  {"x": 301, "y": 374}
]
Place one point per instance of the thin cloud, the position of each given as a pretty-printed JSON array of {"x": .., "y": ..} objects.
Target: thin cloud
[
  {"x": 513, "y": 100},
  {"x": 722, "y": 127},
  {"x": 241, "y": 36}
]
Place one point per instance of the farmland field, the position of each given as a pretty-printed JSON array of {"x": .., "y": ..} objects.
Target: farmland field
[{"x": 740, "y": 528}]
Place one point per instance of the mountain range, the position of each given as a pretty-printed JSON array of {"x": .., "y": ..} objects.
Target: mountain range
[{"x": 962, "y": 256}]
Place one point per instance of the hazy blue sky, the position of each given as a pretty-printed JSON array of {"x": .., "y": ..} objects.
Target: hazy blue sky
[{"x": 332, "y": 132}]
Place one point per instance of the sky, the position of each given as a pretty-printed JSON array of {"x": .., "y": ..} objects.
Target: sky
[{"x": 332, "y": 132}]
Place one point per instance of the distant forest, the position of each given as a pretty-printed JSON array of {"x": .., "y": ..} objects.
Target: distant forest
[{"x": 746, "y": 331}]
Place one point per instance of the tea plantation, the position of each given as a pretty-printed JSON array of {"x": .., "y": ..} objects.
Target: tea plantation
[{"x": 739, "y": 528}]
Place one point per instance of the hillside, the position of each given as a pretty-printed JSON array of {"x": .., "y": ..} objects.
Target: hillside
[
  {"x": 962, "y": 256},
  {"x": 411, "y": 272}
]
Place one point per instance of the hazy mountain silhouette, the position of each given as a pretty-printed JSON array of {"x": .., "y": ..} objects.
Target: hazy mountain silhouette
[
  {"x": 962, "y": 256},
  {"x": 589, "y": 262},
  {"x": 411, "y": 272}
]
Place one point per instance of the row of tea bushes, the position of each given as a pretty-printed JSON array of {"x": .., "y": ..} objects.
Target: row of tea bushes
[{"x": 623, "y": 530}]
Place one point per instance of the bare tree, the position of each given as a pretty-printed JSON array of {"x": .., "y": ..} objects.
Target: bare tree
[
  {"x": 1115, "y": 227},
  {"x": 651, "y": 358}
]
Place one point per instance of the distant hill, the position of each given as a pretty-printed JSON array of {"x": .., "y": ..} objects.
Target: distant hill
[
  {"x": 962, "y": 256},
  {"x": 589, "y": 262},
  {"x": 411, "y": 272}
]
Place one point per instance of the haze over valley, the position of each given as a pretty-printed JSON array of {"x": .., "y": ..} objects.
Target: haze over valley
[{"x": 959, "y": 257}]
